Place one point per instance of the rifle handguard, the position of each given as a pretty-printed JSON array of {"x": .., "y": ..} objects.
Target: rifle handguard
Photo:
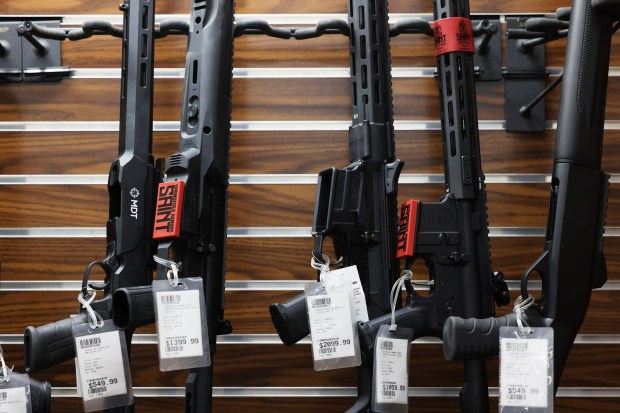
[
  {"x": 467, "y": 339},
  {"x": 291, "y": 319},
  {"x": 40, "y": 396},
  {"x": 50, "y": 344},
  {"x": 133, "y": 307}
]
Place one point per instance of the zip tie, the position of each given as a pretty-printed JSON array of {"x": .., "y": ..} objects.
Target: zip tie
[
  {"x": 5, "y": 370},
  {"x": 326, "y": 280},
  {"x": 173, "y": 272},
  {"x": 395, "y": 294},
  {"x": 520, "y": 306},
  {"x": 95, "y": 319}
]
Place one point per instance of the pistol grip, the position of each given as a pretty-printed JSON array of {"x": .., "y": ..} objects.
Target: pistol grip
[{"x": 291, "y": 319}]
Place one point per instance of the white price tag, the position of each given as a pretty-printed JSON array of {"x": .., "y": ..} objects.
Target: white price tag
[
  {"x": 523, "y": 366},
  {"x": 179, "y": 324},
  {"x": 349, "y": 282},
  {"x": 13, "y": 400},
  {"x": 100, "y": 365},
  {"x": 391, "y": 366},
  {"x": 331, "y": 326}
]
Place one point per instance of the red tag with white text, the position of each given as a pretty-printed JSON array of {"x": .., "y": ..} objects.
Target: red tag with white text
[
  {"x": 168, "y": 210},
  {"x": 453, "y": 34},
  {"x": 407, "y": 228}
]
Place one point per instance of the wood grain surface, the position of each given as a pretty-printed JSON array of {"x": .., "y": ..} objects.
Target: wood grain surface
[{"x": 303, "y": 152}]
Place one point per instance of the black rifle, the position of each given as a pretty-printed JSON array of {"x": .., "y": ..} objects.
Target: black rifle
[
  {"x": 573, "y": 262},
  {"x": 451, "y": 236},
  {"x": 202, "y": 164},
  {"x": 357, "y": 206},
  {"x": 131, "y": 185}
]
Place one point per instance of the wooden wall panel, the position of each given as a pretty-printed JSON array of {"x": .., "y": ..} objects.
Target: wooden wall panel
[{"x": 522, "y": 205}]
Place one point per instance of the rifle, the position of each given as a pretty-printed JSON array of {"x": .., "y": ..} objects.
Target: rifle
[
  {"x": 572, "y": 263},
  {"x": 40, "y": 391},
  {"x": 131, "y": 185},
  {"x": 202, "y": 164},
  {"x": 451, "y": 236},
  {"x": 357, "y": 206}
]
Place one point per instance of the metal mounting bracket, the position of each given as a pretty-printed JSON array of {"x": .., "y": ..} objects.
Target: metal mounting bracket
[{"x": 488, "y": 56}]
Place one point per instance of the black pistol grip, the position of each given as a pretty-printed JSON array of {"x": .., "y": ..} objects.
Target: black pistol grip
[
  {"x": 291, "y": 319},
  {"x": 473, "y": 338},
  {"x": 133, "y": 307},
  {"x": 40, "y": 396},
  {"x": 409, "y": 317},
  {"x": 50, "y": 344}
]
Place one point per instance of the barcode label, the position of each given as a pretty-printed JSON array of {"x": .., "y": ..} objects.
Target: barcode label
[
  {"x": 516, "y": 396},
  {"x": 389, "y": 393},
  {"x": 97, "y": 390},
  {"x": 387, "y": 345},
  {"x": 173, "y": 349},
  {"x": 171, "y": 299},
  {"x": 327, "y": 350},
  {"x": 321, "y": 302},
  {"x": 516, "y": 346},
  {"x": 90, "y": 342},
  {"x": 3, "y": 396}
]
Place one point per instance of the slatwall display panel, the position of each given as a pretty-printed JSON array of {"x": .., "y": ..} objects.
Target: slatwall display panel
[{"x": 291, "y": 85}]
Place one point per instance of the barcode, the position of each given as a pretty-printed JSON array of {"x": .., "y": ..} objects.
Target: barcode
[
  {"x": 387, "y": 345},
  {"x": 3, "y": 395},
  {"x": 90, "y": 342},
  {"x": 327, "y": 350},
  {"x": 518, "y": 346},
  {"x": 173, "y": 349},
  {"x": 389, "y": 393},
  {"x": 171, "y": 299},
  {"x": 516, "y": 396},
  {"x": 321, "y": 302},
  {"x": 97, "y": 390}
]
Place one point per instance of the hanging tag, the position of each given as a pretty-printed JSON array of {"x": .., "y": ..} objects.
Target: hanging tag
[
  {"x": 391, "y": 370},
  {"x": 349, "y": 282},
  {"x": 78, "y": 379},
  {"x": 15, "y": 394},
  {"x": 103, "y": 366},
  {"x": 180, "y": 316},
  {"x": 526, "y": 370},
  {"x": 333, "y": 329}
]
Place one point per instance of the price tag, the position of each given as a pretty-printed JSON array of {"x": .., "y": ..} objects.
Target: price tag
[
  {"x": 334, "y": 336},
  {"x": 178, "y": 314},
  {"x": 349, "y": 282},
  {"x": 391, "y": 367},
  {"x": 102, "y": 366},
  {"x": 13, "y": 400},
  {"x": 526, "y": 370},
  {"x": 183, "y": 342}
]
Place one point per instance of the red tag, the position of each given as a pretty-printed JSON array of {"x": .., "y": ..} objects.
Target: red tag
[
  {"x": 406, "y": 229},
  {"x": 453, "y": 34},
  {"x": 168, "y": 210}
]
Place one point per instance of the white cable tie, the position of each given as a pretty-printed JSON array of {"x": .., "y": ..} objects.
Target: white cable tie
[
  {"x": 520, "y": 306},
  {"x": 324, "y": 267},
  {"x": 94, "y": 319},
  {"x": 5, "y": 370},
  {"x": 395, "y": 294},
  {"x": 173, "y": 272}
]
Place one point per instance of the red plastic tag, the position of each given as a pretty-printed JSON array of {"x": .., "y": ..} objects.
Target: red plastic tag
[
  {"x": 407, "y": 228},
  {"x": 168, "y": 210},
  {"x": 453, "y": 34}
]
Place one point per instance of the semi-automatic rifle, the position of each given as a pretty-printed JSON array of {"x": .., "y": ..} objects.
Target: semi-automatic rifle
[
  {"x": 573, "y": 262},
  {"x": 450, "y": 236},
  {"x": 357, "y": 206},
  {"x": 202, "y": 165},
  {"x": 132, "y": 182}
]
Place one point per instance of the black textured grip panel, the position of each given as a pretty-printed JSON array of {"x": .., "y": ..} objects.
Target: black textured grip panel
[
  {"x": 291, "y": 319},
  {"x": 50, "y": 344},
  {"x": 133, "y": 307},
  {"x": 468, "y": 339},
  {"x": 587, "y": 65},
  {"x": 40, "y": 396}
]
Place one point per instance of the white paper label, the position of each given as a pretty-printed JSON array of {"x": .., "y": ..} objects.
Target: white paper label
[
  {"x": 349, "y": 282},
  {"x": 523, "y": 366},
  {"x": 100, "y": 365},
  {"x": 331, "y": 326},
  {"x": 391, "y": 369},
  {"x": 13, "y": 400},
  {"x": 179, "y": 324}
]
